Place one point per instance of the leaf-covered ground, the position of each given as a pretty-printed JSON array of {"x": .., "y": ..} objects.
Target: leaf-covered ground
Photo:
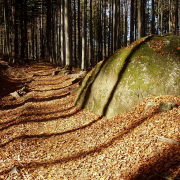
[{"x": 43, "y": 136}]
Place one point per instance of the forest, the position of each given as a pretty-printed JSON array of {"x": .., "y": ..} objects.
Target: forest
[
  {"x": 80, "y": 33},
  {"x": 89, "y": 89}
]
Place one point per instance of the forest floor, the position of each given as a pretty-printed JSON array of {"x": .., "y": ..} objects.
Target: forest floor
[{"x": 43, "y": 136}]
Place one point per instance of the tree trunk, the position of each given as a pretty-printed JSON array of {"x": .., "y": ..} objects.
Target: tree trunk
[
  {"x": 114, "y": 25},
  {"x": 91, "y": 37},
  {"x": 140, "y": 20},
  {"x": 126, "y": 23},
  {"x": 153, "y": 19},
  {"x": 79, "y": 34},
  {"x": 176, "y": 19},
  {"x": 6, "y": 28},
  {"x": 15, "y": 33},
  {"x": 83, "y": 65},
  {"x": 68, "y": 34},
  {"x": 170, "y": 16},
  {"x": 161, "y": 17},
  {"x": 75, "y": 44},
  {"x": 132, "y": 22}
]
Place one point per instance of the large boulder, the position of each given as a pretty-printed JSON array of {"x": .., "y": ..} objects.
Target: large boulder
[{"x": 149, "y": 66}]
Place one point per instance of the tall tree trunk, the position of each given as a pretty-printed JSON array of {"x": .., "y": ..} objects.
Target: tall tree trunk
[
  {"x": 83, "y": 62},
  {"x": 63, "y": 45},
  {"x": 25, "y": 30},
  {"x": 132, "y": 22},
  {"x": 109, "y": 29},
  {"x": 48, "y": 30},
  {"x": 176, "y": 19},
  {"x": 15, "y": 33},
  {"x": 6, "y": 28},
  {"x": 153, "y": 19},
  {"x": 32, "y": 38},
  {"x": 91, "y": 36},
  {"x": 114, "y": 25},
  {"x": 75, "y": 44},
  {"x": 100, "y": 57},
  {"x": 170, "y": 18},
  {"x": 79, "y": 34},
  {"x": 104, "y": 46},
  {"x": 126, "y": 23},
  {"x": 140, "y": 20},
  {"x": 53, "y": 35},
  {"x": 42, "y": 33},
  {"x": 161, "y": 17},
  {"x": 136, "y": 15},
  {"x": 68, "y": 34}
]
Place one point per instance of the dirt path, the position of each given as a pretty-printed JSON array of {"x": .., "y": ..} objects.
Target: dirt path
[{"x": 43, "y": 136}]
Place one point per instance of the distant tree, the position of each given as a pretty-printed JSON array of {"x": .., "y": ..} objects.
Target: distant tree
[
  {"x": 68, "y": 37},
  {"x": 84, "y": 42},
  {"x": 132, "y": 22},
  {"x": 140, "y": 19},
  {"x": 176, "y": 19},
  {"x": 153, "y": 19}
]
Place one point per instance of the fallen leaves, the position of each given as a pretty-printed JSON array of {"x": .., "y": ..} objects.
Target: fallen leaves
[{"x": 52, "y": 139}]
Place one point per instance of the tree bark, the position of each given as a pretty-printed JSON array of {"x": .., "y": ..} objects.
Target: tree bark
[
  {"x": 132, "y": 22},
  {"x": 176, "y": 19},
  {"x": 83, "y": 62},
  {"x": 68, "y": 34},
  {"x": 153, "y": 19},
  {"x": 140, "y": 33}
]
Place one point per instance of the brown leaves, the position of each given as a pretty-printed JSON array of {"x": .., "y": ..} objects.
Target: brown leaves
[
  {"x": 157, "y": 46},
  {"x": 54, "y": 140}
]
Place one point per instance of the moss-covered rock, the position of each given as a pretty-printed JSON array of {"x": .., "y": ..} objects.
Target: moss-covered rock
[{"x": 149, "y": 66}]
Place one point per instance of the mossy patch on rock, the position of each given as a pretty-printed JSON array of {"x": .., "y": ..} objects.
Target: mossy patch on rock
[{"x": 149, "y": 66}]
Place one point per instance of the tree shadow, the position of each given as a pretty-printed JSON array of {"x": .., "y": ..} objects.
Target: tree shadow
[
  {"x": 161, "y": 169},
  {"x": 24, "y": 119},
  {"x": 23, "y": 136},
  {"x": 7, "y": 107},
  {"x": 83, "y": 153},
  {"x": 8, "y": 85}
]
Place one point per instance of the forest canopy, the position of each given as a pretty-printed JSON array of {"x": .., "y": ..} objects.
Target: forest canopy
[{"x": 80, "y": 33}]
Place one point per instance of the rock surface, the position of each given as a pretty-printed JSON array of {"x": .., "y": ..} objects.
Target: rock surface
[
  {"x": 165, "y": 106},
  {"x": 147, "y": 67}
]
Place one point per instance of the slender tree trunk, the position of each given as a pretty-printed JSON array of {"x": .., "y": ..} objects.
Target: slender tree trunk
[
  {"x": 100, "y": 57},
  {"x": 25, "y": 30},
  {"x": 32, "y": 38},
  {"x": 62, "y": 35},
  {"x": 105, "y": 19},
  {"x": 170, "y": 18},
  {"x": 53, "y": 36},
  {"x": 83, "y": 65},
  {"x": 68, "y": 34},
  {"x": 6, "y": 28},
  {"x": 75, "y": 44},
  {"x": 176, "y": 19},
  {"x": 114, "y": 25},
  {"x": 140, "y": 33},
  {"x": 42, "y": 33},
  {"x": 79, "y": 34},
  {"x": 161, "y": 17},
  {"x": 136, "y": 16},
  {"x": 132, "y": 22},
  {"x": 109, "y": 29},
  {"x": 91, "y": 36},
  {"x": 153, "y": 19},
  {"x": 15, "y": 33},
  {"x": 49, "y": 52},
  {"x": 126, "y": 23}
]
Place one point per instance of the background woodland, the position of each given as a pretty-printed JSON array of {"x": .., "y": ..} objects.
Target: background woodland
[{"x": 80, "y": 33}]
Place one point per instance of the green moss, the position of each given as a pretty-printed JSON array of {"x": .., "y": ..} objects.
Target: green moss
[{"x": 136, "y": 71}]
